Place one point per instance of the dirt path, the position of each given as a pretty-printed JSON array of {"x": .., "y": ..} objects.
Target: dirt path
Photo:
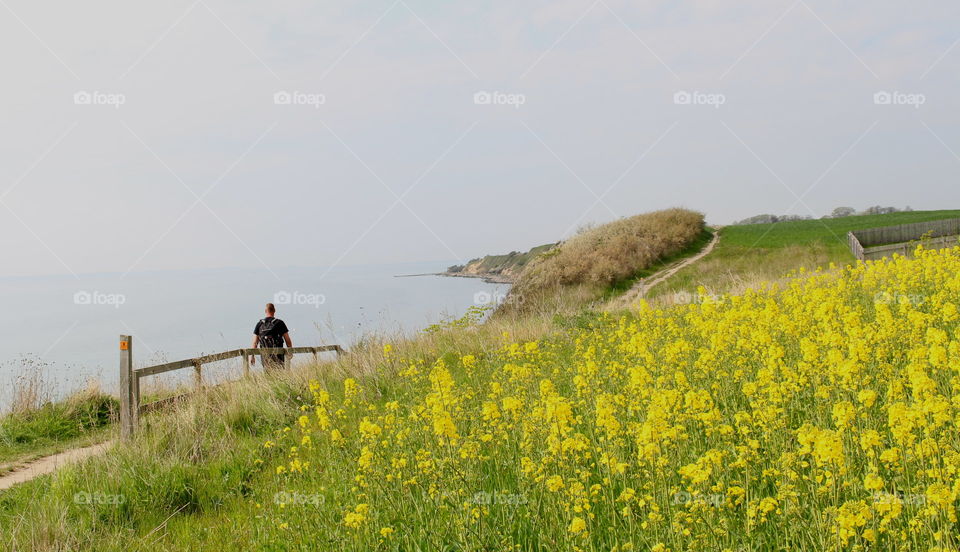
[
  {"x": 48, "y": 464},
  {"x": 644, "y": 285}
]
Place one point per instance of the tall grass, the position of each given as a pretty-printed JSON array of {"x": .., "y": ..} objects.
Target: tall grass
[
  {"x": 750, "y": 254},
  {"x": 582, "y": 268},
  {"x": 202, "y": 462},
  {"x": 46, "y": 428}
]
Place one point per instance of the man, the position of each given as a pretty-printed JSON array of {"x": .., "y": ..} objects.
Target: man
[{"x": 269, "y": 333}]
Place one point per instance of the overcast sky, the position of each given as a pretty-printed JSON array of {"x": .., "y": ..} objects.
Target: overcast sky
[{"x": 178, "y": 151}]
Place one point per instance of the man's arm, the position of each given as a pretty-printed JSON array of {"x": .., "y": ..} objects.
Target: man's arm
[
  {"x": 253, "y": 345},
  {"x": 287, "y": 340}
]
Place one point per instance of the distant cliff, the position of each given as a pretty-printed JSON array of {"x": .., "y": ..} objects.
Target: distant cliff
[{"x": 498, "y": 268}]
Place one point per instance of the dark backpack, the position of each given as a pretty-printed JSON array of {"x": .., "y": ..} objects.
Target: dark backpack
[{"x": 268, "y": 333}]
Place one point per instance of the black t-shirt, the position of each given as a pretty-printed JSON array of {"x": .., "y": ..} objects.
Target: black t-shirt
[{"x": 271, "y": 332}]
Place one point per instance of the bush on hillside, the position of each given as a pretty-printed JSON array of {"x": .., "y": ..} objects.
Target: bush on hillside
[{"x": 589, "y": 263}]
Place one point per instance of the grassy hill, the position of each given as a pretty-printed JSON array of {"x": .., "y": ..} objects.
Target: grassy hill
[
  {"x": 754, "y": 422},
  {"x": 590, "y": 264},
  {"x": 750, "y": 254},
  {"x": 502, "y": 268}
]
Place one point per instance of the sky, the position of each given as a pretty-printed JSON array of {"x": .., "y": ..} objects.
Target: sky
[{"x": 193, "y": 134}]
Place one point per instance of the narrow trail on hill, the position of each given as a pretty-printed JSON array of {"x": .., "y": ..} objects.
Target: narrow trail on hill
[
  {"x": 49, "y": 464},
  {"x": 644, "y": 285}
]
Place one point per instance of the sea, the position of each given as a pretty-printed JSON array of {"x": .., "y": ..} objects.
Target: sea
[{"x": 61, "y": 333}]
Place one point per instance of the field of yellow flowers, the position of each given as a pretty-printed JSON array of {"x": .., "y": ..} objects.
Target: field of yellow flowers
[{"x": 821, "y": 415}]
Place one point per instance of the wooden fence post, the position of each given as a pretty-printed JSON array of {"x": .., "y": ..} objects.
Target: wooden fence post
[
  {"x": 198, "y": 377},
  {"x": 129, "y": 400},
  {"x": 135, "y": 403},
  {"x": 246, "y": 363}
]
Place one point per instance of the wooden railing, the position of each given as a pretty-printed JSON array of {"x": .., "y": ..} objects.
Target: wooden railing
[
  {"x": 130, "y": 407},
  {"x": 855, "y": 247}
]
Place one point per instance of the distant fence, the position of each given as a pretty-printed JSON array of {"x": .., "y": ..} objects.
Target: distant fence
[
  {"x": 875, "y": 243},
  {"x": 130, "y": 407}
]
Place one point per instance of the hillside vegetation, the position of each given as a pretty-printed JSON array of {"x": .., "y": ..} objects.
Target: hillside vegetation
[
  {"x": 500, "y": 268},
  {"x": 587, "y": 265},
  {"x": 749, "y": 255},
  {"x": 817, "y": 414},
  {"x": 763, "y": 422},
  {"x": 48, "y": 428}
]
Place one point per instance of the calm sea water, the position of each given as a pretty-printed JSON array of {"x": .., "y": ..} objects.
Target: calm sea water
[{"x": 68, "y": 328}]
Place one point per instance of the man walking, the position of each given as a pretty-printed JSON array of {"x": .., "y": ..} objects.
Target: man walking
[{"x": 270, "y": 332}]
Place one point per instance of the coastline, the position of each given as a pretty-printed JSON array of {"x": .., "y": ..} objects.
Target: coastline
[{"x": 486, "y": 277}]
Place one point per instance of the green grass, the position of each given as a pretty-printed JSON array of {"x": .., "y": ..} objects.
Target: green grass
[
  {"x": 201, "y": 458},
  {"x": 199, "y": 478},
  {"x": 695, "y": 247},
  {"x": 831, "y": 232},
  {"x": 750, "y": 254},
  {"x": 77, "y": 421},
  {"x": 511, "y": 262},
  {"x": 193, "y": 477}
]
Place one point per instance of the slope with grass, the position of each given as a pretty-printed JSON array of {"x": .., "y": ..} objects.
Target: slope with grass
[
  {"x": 642, "y": 287},
  {"x": 761, "y": 422},
  {"x": 748, "y": 255},
  {"x": 591, "y": 264},
  {"x": 80, "y": 420},
  {"x": 499, "y": 268},
  {"x": 771, "y": 420}
]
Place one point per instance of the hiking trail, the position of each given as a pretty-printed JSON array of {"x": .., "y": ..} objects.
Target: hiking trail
[
  {"x": 644, "y": 285},
  {"x": 48, "y": 464}
]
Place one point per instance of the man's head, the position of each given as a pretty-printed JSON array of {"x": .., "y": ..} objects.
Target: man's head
[{"x": 270, "y": 310}]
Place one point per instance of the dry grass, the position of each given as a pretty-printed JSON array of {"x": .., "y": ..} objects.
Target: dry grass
[
  {"x": 585, "y": 266},
  {"x": 30, "y": 391},
  {"x": 733, "y": 272},
  {"x": 201, "y": 458}
]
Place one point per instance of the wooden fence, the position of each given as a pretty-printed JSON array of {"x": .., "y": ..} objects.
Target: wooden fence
[
  {"x": 130, "y": 407},
  {"x": 855, "y": 246},
  {"x": 874, "y": 243}
]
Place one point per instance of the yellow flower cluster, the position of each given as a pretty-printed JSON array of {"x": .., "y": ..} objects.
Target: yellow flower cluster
[{"x": 821, "y": 414}]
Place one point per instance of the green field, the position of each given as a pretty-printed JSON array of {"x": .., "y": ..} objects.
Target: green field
[
  {"x": 832, "y": 232},
  {"x": 206, "y": 476},
  {"x": 749, "y": 254},
  {"x": 77, "y": 421}
]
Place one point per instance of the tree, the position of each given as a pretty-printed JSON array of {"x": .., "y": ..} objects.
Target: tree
[{"x": 843, "y": 212}]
